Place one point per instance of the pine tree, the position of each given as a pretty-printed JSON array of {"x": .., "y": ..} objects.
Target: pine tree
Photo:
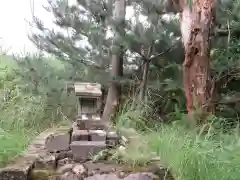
[
  {"x": 114, "y": 92},
  {"x": 82, "y": 39}
]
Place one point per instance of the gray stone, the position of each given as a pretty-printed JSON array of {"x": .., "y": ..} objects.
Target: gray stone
[
  {"x": 110, "y": 176},
  {"x": 84, "y": 149},
  {"x": 54, "y": 177},
  {"x": 19, "y": 170},
  {"x": 97, "y": 135},
  {"x": 141, "y": 176},
  {"x": 113, "y": 176},
  {"x": 100, "y": 167},
  {"x": 79, "y": 170},
  {"x": 65, "y": 168},
  {"x": 64, "y": 161},
  {"x": 87, "y": 90},
  {"x": 58, "y": 142},
  {"x": 46, "y": 161},
  {"x": 70, "y": 176},
  {"x": 80, "y": 135}
]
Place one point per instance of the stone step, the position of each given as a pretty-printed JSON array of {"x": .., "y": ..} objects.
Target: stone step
[
  {"x": 88, "y": 135},
  {"x": 83, "y": 150},
  {"x": 89, "y": 124},
  {"x": 80, "y": 135}
]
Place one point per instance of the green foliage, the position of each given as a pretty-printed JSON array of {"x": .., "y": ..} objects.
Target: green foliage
[
  {"x": 187, "y": 154},
  {"x": 25, "y": 111}
]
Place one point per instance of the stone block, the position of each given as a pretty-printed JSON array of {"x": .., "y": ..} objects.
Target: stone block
[
  {"x": 58, "y": 142},
  {"x": 45, "y": 161},
  {"x": 112, "y": 139},
  {"x": 80, "y": 135},
  {"x": 110, "y": 176},
  {"x": 97, "y": 135},
  {"x": 83, "y": 150},
  {"x": 89, "y": 124},
  {"x": 19, "y": 170}
]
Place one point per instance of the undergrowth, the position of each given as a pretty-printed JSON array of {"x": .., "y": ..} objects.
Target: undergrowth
[
  {"x": 23, "y": 114},
  {"x": 188, "y": 154}
]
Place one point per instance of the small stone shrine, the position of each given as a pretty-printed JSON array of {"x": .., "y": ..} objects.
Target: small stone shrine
[{"x": 89, "y": 136}]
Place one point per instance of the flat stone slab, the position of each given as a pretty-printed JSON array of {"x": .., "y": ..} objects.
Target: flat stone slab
[
  {"x": 83, "y": 150},
  {"x": 100, "y": 167},
  {"x": 110, "y": 176},
  {"x": 58, "y": 141},
  {"x": 113, "y": 176},
  {"x": 70, "y": 176},
  {"x": 141, "y": 176}
]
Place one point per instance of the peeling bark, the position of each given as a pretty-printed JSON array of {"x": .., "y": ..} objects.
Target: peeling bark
[{"x": 196, "y": 28}]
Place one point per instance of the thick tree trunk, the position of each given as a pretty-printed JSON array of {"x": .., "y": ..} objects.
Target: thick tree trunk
[
  {"x": 114, "y": 92},
  {"x": 196, "y": 27}
]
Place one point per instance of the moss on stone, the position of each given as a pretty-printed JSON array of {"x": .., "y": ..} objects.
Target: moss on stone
[{"x": 41, "y": 174}]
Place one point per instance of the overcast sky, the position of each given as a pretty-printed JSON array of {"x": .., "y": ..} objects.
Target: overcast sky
[
  {"x": 14, "y": 28},
  {"x": 14, "y": 15}
]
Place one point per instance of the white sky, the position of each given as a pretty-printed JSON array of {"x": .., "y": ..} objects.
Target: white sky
[{"x": 14, "y": 27}]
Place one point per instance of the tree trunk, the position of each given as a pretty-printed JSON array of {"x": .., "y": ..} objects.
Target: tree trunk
[
  {"x": 196, "y": 27},
  {"x": 114, "y": 92},
  {"x": 143, "y": 86}
]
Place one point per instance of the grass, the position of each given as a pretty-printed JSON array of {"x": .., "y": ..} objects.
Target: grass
[
  {"x": 20, "y": 121},
  {"x": 23, "y": 115},
  {"x": 188, "y": 155},
  {"x": 12, "y": 145}
]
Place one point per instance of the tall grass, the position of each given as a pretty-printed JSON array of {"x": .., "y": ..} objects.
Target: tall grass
[
  {"x": 188, "y": 155},
  {"x": 24, "y": 114}
]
